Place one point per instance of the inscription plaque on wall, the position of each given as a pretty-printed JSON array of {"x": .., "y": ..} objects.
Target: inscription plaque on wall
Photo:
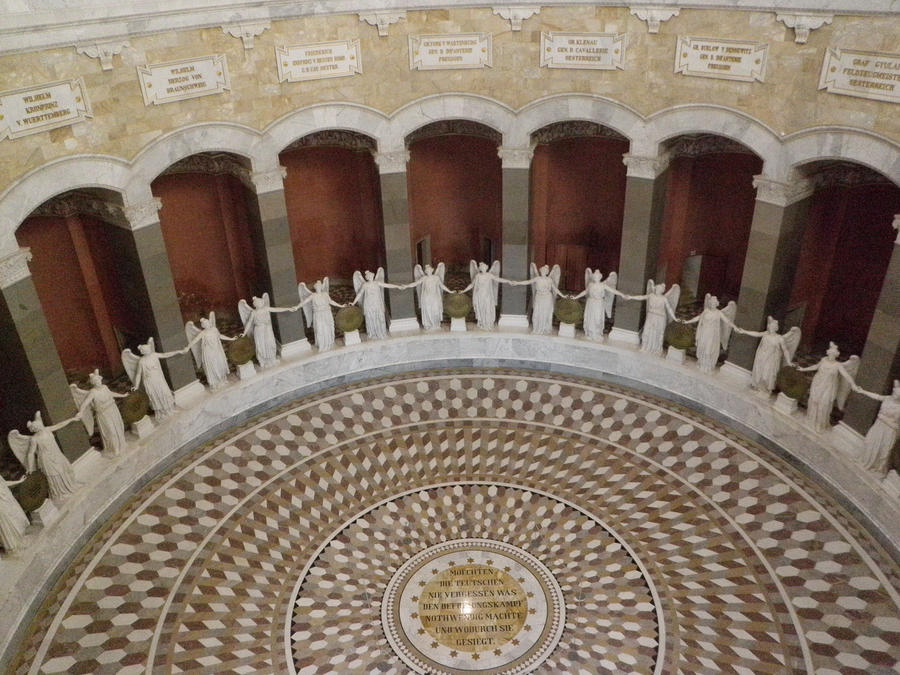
[
  {"x": 591, "y": 51},
  {"x": 42, "y": 107},
  {"x": 180, "y": 80},
  {"x": 721, "y": 59},
  {"x": 873, "y": 75},
  {"x": 445, "y": 52},
  {"x": 318, "y": 60}
]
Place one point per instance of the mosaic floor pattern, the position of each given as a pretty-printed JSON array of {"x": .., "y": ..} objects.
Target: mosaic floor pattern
[{"x": 679, "y": 546}]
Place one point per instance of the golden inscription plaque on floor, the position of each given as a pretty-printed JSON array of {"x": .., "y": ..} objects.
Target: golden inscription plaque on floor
[{"x": 474, "y": 606}]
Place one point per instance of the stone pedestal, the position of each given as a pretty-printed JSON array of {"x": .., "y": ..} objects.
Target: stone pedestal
[
  {"x": 246, "y": 370},
  {"x": 143, "y": 427},
  {"x": 567, "y": 330},
  {"x": 457, "y": 324},
  {"x": 352, "y": 338},
  {"x": 785, "y": 404},
  {"x": 295, "y": 349},
  {"x": 675, "y": 355}
]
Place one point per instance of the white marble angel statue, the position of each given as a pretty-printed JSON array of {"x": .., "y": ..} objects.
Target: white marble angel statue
[
  {"x": 882, "y": 435},
  {"x": 317, "y": 306},
  {"x": 774, "y": 350},
  {"x": 544, "y": 282},
  {"x": 599, "y": 305},
  {"x": 831, "y": 384},
  {"x": 485, "y": 286},
  {"x": 661, "y": 306},
  {"x": 100, "y": 401},
  {"x": 258, "y": 321},
  {"x": 713, "y": 331},
  {"x": 205, "y": 343},
  {"x": 41, "y": 451},
  {"x": 430, "y": 288},
  {"x": 13, "y": 520},
  {"x": 370, "y": 290},
  {"x": 146, "y": 370}
]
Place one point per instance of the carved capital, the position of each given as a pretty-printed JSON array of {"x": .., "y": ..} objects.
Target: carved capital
[
  {"x": 103, "y": 51},
  {"x": 654, "y": 16},
  {"x": 803, "y": 23},
  {"x": 247, "y": 31},
  {"x": 392, "y": 162},
  {"x": 640, "y": 166},
  {"x": 515, "y": 158},
  {"x": 381, "y": 20},
  {"x": 269, "y": 180},
  {"x": 516, "y": 15},
  {"x": 779, "y": 193},
  {"x": 144, "y": 213},
  {"x": 14, "y": 267}
]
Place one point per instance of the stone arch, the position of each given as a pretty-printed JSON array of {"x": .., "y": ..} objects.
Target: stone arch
[
  {"x": 566, "y": 107},
  {"x": 851, "y": 145},
  {"x": 346, "y": 116},
  {"x": 423, "y": 111},
  {"x": 54, "y": 178}
]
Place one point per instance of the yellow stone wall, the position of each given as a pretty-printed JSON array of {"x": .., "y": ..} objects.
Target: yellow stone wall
[{"x": 787, "y": 101}]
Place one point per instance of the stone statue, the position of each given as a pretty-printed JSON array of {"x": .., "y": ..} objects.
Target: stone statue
[
  {"x": 258, "y": 320},
  {"x": 882, "y": 435},
  {"x": 599, "y": 306},
  {"x": 773, "y": 351},
  {"x": 317, "y": 306},
  {"x": 100, "y": 401},
  {"x": 146, "y": 370},
  {"x": 544, "y": 283},
  {"x": 370, "y": 289},
  {"x": 430, "y": 288},
  {"x": 713, "y": 331},
  {"x": 13, "y": 520},
  {"x": 661, "y": 306},
  {"x": 206, "y": 346},
  {"x": 485, "y": 286},
  {"x": 831, "y": 384},
  {"x": 41, "y": 451}
]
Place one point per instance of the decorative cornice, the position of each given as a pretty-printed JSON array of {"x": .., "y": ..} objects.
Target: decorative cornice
[
  {"x": 780, "y": 193},
  {"x": 103, "y": 51},
  {"x": 335, "y": 138},
  {"x": 454, "y": 128},
  {"x": 696, "y": 145},
  {"x": 143, "y": 214},
  {"x": 803, "y": 23},
  {"x": 645, "y": 167},
  {"x": 516, "y": 14},
  {"x": 654, "y": 16},
  {"x": 81, "y": 203},
  {"x": 515, "y": 158},
  {"x": 382, "y": 20},
  {"x": 214, "y": 163},
  {"x": 392, "y": 162},
  {"x": 14, "y": 267},
  {"x": 844, "y": 174},
  {"x": 268, "y": 180},
  {"x": 574, "y": 129},
  {"x": 247, "y": 31}
]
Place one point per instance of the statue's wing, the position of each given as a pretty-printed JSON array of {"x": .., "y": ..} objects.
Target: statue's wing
[
  {"x": 212, "y": 318},
  {"x": 608, "y": 298},
  {"x": 152, "y": 343},
  {"x": 379, "y": 274},
  {"x": 130, "y": 361},
  {"x": 532, "y": 270},
  {"x": 86, "y": 417},
  {"x": 851, "y": 366},
  {"x": 245, "y": 311},
  {"x": 418, "y": 272},
  {"x": 728, "y": 312},
  {"x": 304, "y": 292},
  {"x": 650, "y": 286},
  {"x": 191, "y": 331},
  {"x": 358, "y": 281},
  {"x": 792, "y": 341},
  {"x": 495, "y": 282},
  {"x": 326, "y": 284},
  {"x": 495, "y": 268},
  {"x": 473, "y": 270},
  {"x": 556, "y": 274},
  {"x": 19, "y": 443},
  {"x": 440, "y": 270},
  {"x": 265, "y": 298},
  {"x": 673, "y": 294},
  {"x": 588, "y": 273}
]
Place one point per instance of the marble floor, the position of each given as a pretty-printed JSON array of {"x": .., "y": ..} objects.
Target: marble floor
[{"x": 593, "y": 529}]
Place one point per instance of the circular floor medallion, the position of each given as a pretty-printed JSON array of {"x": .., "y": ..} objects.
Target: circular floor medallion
[{"x": 473, "y": 606}]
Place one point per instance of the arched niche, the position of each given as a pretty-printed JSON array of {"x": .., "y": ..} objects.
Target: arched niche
[
  {"x": 75, "y": 240},
  {"x": 577, "y": 198},
  {"x": 844, "y": 254},
  {"x": 334, "y": 204},
  {"x": 709, "y": 207},
  {"x": 210, "y": 233},
  {"x": 455, "y": 192}
]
